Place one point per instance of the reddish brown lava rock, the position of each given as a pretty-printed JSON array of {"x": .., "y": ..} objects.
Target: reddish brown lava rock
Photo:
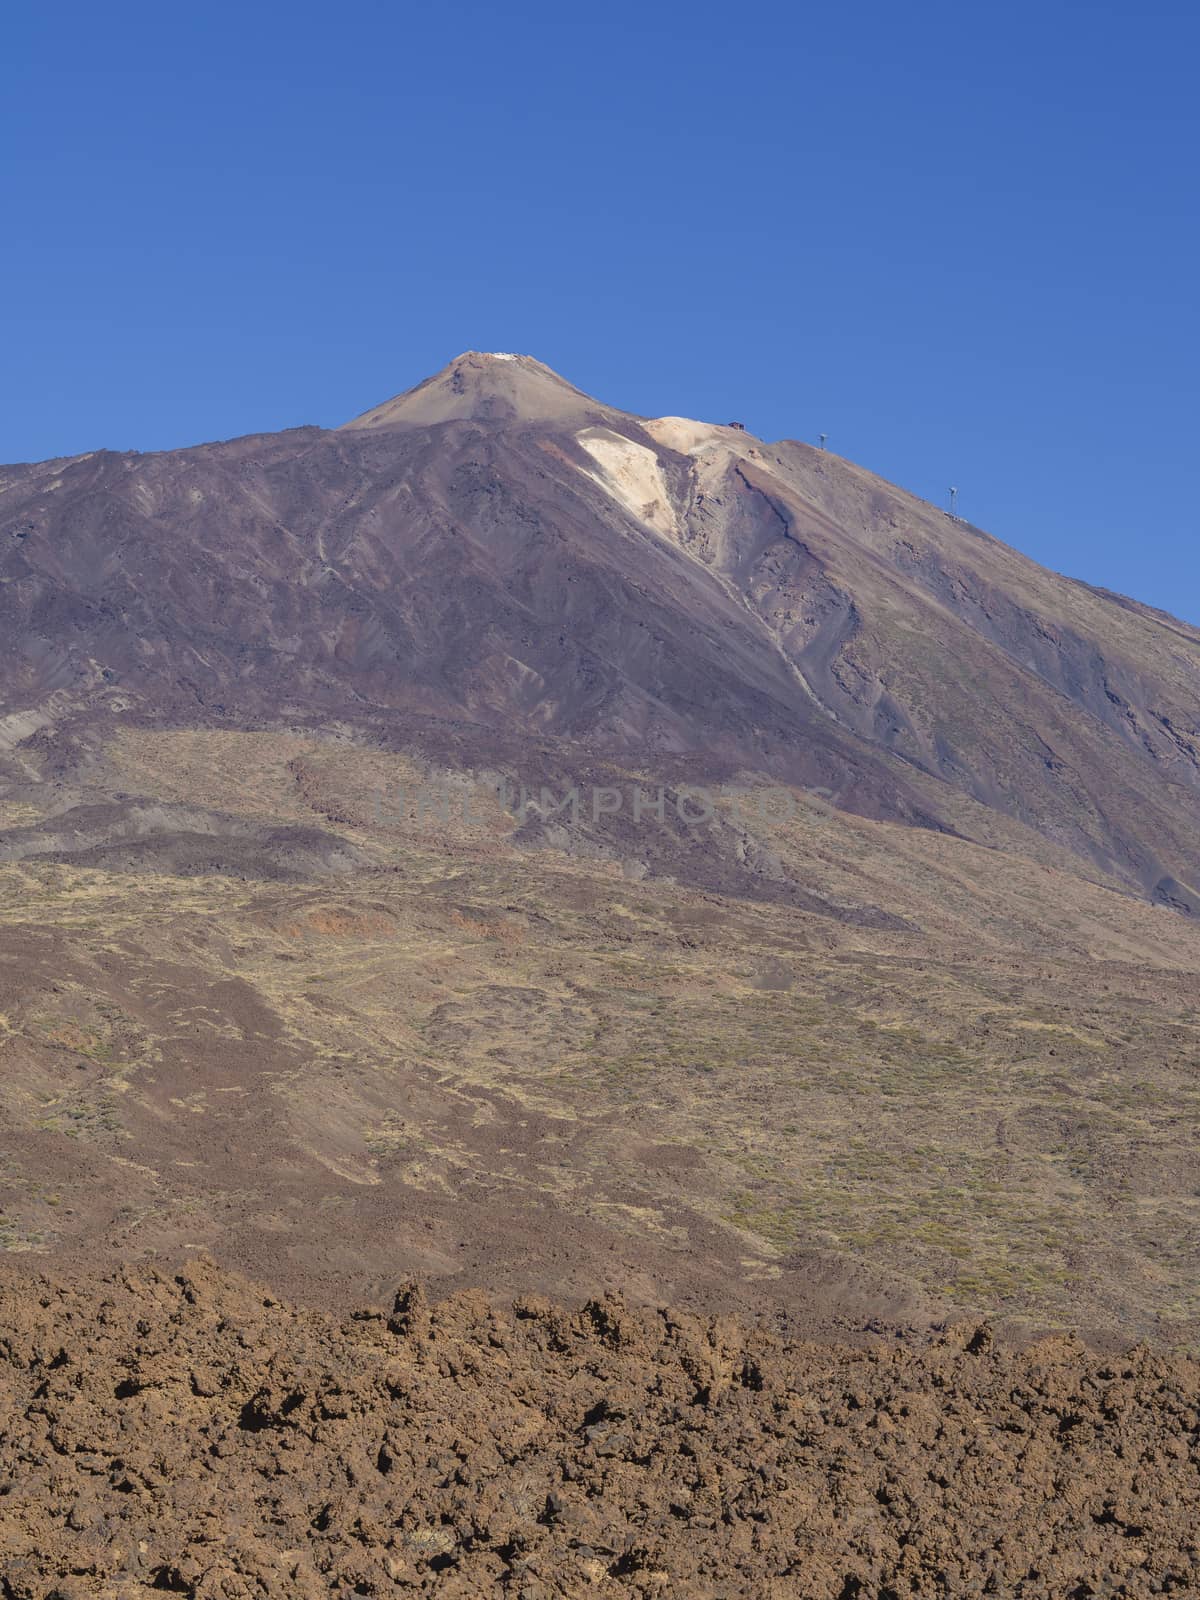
[{"x": 196, "y": 1436}]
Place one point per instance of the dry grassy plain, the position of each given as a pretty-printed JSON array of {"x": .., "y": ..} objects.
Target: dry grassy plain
[{"x": 519, "y": 1062}]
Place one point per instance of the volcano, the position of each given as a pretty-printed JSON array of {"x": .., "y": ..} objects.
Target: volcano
[
  {"x": 493, "y": 562},
  {"x": 921, "y": 1039}
]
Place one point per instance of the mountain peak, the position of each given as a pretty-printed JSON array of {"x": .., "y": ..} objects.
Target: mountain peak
[{"x": 494, "y": 386}]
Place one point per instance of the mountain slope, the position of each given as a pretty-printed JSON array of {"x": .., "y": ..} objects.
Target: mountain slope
[
  {"x": 923, "y": 1039},
  {"x": 494, "y": 550}
]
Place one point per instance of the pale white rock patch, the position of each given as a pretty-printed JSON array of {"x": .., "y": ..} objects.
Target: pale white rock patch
[
  {"x": 632, "y": 475},
  {"x": 686, "y": 435}
]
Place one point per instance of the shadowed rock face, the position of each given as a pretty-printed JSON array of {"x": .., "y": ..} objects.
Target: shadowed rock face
[{"x": 496, "y": 551}]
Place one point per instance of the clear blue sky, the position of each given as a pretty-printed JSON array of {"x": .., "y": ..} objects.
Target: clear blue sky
[{"x": 961, "y": 240}]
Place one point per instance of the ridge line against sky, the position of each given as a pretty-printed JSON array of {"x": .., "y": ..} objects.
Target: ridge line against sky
[{"x": 962, "y": 245}]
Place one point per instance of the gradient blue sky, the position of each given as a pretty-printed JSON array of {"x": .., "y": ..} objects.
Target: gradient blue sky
[{"x": 960, "y": 240}]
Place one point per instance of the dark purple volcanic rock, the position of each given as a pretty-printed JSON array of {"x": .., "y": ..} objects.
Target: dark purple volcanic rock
[{"x": 494, "y": 563}]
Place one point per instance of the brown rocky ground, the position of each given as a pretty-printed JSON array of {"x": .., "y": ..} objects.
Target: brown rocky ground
[{"x": 192, "y": 1435}]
